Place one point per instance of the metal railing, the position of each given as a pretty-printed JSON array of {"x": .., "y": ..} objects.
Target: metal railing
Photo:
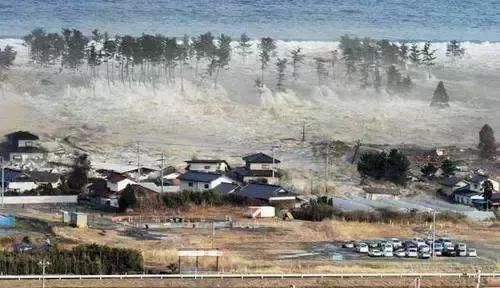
[{"x": 249, "y": 276}]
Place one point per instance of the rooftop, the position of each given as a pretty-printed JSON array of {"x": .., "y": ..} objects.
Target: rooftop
[
  {"x": 21, "y": 135},
  {"x": 208, "y": 161},
  {"x": 226, "y": 188},
  {"x": 199, "y": 176},
  {"x": 115, "y": 177},
  {"x": 264, "y": 191},
  {"x": 260, "y": 158}
]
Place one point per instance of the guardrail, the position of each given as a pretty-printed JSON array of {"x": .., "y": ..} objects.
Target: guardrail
[{"x": 249, "y": 276}]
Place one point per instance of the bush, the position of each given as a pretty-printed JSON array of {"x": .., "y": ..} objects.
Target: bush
[
  {"x": 380, "y": 165},
  {"x": 318, "y": 210},
  {"x": 208, "y": 197}
]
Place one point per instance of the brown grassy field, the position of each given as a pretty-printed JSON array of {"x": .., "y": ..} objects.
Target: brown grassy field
[{"x": 259, "y": 250}]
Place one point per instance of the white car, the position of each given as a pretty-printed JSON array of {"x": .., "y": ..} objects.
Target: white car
[
  {"x": 412, "y": 252},
  {"x": 462, "y": 253},
  {"x": 419, "y": 241},
  {"x": 348, "y": 244},
  {"x": 375, "y": 253},
  {"x": 396, "y": 243},
  {"x": 362, "y": 248},
  {"x": 388, "y": 254},
  {"x": 424, "y": 248},
  {"x": 400, "y": 253},
  {"x": 424, "y": 255},
  {"x": 471, "y": 252}
]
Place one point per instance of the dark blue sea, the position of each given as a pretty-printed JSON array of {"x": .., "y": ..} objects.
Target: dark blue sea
[{"x": 439, "y": 20}]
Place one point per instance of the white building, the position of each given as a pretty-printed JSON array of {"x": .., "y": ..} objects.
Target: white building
[
  {"x": 210, "y": 166},
  {"x": 117, "y": 182},
  {"x": 476, "y": 183},
  {"x": 199, "y": 181},
  {"x": 22, "y": 184},
  {"x": 24, "y": 147}
]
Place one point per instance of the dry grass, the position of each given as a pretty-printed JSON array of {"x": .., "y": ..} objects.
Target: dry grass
[{"x": 248, "y": 250}]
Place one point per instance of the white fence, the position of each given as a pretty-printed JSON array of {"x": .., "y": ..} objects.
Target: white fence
[
  {"x": 40, "y": 199},
  {"x": 253, "y": 276}
]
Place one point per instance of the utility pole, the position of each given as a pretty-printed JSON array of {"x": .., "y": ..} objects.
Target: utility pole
[
  {"x": 433, "y": 233},
  {"x": 478, "y": 279},
  {"x": 304, "y": 131},
  {"x": 3, "y": 180},
  {"x": 44, "y": 264},
  {"x": 327, "y": 162},
  {"x": 311, "y": 181},
  {"x": 272, "y": 149},
  {"x": 161, "y": 171},
  {"x": 138, "y": 162}
]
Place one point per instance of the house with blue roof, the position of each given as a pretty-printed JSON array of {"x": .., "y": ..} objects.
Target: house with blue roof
[{"x": 271, "y": 194}]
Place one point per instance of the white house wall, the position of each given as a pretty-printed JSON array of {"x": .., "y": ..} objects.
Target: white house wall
[
  {"x": 120, "y": 185},
  {"x": 22, "y": 186}
]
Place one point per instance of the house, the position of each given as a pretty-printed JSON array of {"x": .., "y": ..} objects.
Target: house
[
  {"x": 259, "y": 168},
  {"x": 226, "y": 188},
  {"x": 450, "y": 184},
  {"x": 23, "y": 147},
  {"x": 116, "y": 182},
  {"x": 465, "y": 196},
  {"x": 198, "y": 181},
  {"x": 377, "y": 193},
  {"x": 476, "y": 183},
  {"x": 267, "y": 193},
  {"x": 146, "y": 198},
  {"x": 44, "y": 178},
  {"x": 213, "y": 166},
  {"x": 21, "y": 184},
  {"x": 261, "y": 161}
]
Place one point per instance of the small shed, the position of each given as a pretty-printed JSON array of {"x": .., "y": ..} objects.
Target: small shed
[
  {"x": 79, "y": 220},
  {"x": 260, "y": 212},
  {"x": 66, "y": 218}
]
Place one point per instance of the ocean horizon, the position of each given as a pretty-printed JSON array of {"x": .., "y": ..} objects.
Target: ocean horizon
[{"x": 306, "y": 20}]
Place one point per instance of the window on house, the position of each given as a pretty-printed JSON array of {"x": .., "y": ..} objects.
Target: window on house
[
  {"x": 206, "y": 186},
  {"x": 207, "y": 167},
  {"x": 190, "y": 184}
]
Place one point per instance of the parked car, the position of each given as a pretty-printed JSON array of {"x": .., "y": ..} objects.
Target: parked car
[
  {"x": 438, "y": 252},
  {"x": 375, "y": 253},
  {"x": 419, "y": 241},
  {"x": 400, "y": 253},
  {"x": 424, "y": 248},
  {"x": 373, "y": 245},
  {"x": 449, "y": 252},
  {"x": 412, "y": 252},
  {"x": 348, "y": 244},
  {"x": 460, "y": 246},
  {"x": 424, "y": 255},
  {"x": 388, "y": 253},
  {"x": 396, "y": 243},
  {"x": 387, "y": 246},
  {"x": 362, "y": 248},
  {"x": 471, "y": 252}
]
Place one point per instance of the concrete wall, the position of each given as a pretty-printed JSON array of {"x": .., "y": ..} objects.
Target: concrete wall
[
  {"x": 40, "y": 199},
  {"x": 22, "y": 186}
]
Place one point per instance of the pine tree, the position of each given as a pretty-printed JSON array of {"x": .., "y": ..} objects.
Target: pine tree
[
  {"x": 415, "y": 54},
  {"x": 267, "y": 47},
  {"x": 428, "y": 56},
  {"x": 349, "y": 61},
  {"x": 223, "y": 54},
  {"x": 333, "y": 60},
  {"x": 403, "y": 54},
  {"x": 393, "y": 78},
  {"x": 487, "y": 145},
  {"x": 297, "y": 59},
  {"x": 453, "y": 49},
  {"x": 440, "y": 98},
  {"x": 244, "y": 46},
  {"x": 281, "y": 66},
  {"x": 321, "y": 71}
]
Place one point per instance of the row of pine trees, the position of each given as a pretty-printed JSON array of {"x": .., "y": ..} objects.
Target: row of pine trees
[{"x": 149, "y": 59}]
